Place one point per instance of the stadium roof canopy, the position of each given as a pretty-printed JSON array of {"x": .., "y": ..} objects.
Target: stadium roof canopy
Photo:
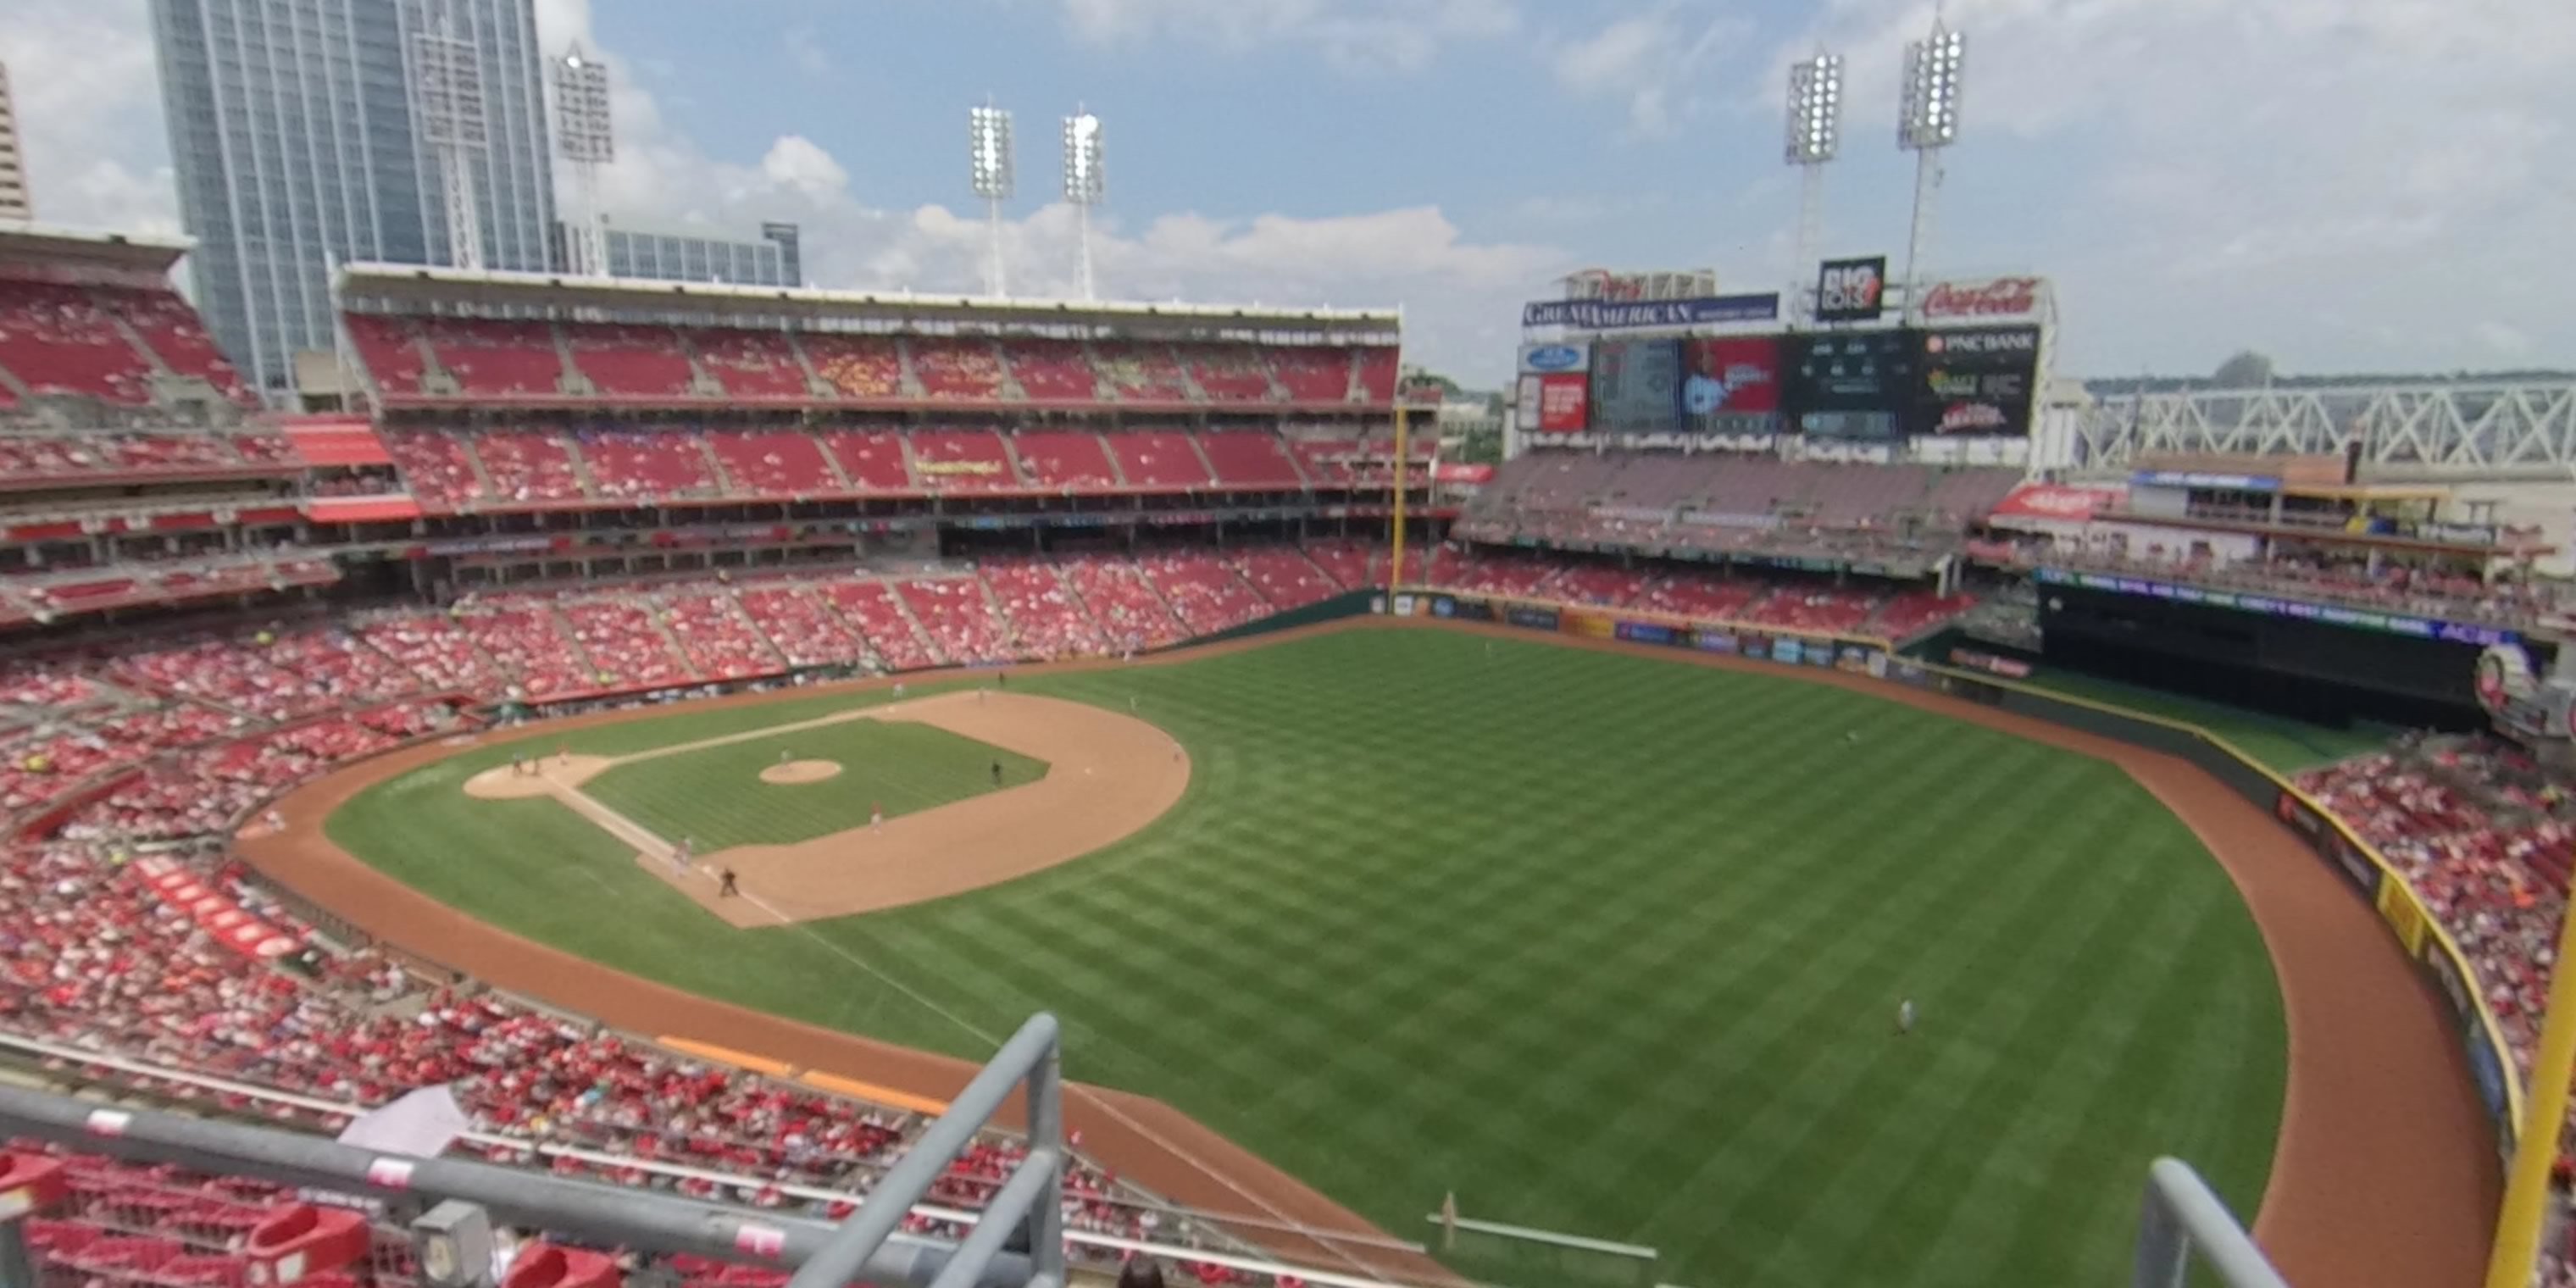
[
  {"x": 399, "y": 286},
  {"x": 71, "y": 248}
]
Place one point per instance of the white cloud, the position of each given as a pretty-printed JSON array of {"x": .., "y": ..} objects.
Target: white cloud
[
  {"x": 1356, "y": 35},
  {"x": 89, "y": 106},
  {"x": 1649, "y": 60},
  {"x": 2270, "y": 164}
]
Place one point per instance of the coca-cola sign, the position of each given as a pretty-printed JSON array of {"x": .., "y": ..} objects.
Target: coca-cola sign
[{"x": 1991, "y": 300}]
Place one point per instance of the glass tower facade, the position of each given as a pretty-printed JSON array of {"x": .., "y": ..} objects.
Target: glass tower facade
[
  {"x": 292, "y": 131},
  {"x": 775, "y": 260}
]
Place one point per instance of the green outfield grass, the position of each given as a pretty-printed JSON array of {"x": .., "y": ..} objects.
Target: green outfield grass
[
  {"x": 1605, "y": 944},
  {"x": 714, "y": 794}
]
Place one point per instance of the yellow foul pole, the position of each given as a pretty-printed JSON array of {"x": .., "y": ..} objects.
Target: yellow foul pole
[
  {"x": 1395, "y": 570},
  {"x": 2544, "y": 1110}
]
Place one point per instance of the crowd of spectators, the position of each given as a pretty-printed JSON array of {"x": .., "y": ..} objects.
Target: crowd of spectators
[
  {"x": 2482, "y": 834},
  {"x": 2393, "y": 587}
]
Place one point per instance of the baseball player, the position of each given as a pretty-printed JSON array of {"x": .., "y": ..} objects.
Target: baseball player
[
  {"x": 997, "y": 773},
  {"x": 680, "y": 855},
  {"x": 725, "y": 888},
  {"x": 1905, "y": 1017},
  {"x": 876, "y": 816}
]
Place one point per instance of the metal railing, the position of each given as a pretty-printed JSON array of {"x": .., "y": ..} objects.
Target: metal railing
[{"x": 2182, "y": 1215}]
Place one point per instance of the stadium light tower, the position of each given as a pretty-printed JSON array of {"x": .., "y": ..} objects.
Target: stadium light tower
[
  {"x": 449, "y": 83},
  {"x": 988, "y": 161},
  {"x": 1084, "y": 183},
  {"x": 1815, "y": 135},
  {"x": 586, "y": 135},
  {"x": 1930, "y": 124}
]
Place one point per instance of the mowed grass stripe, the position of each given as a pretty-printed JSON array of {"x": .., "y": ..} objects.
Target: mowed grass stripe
[
  {"x": 715, "y": 794},
  {"x": 1605, "y": 944}
]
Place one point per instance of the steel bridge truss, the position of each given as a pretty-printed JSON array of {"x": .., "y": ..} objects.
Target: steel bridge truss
[{"x": 2463, "y": 427}]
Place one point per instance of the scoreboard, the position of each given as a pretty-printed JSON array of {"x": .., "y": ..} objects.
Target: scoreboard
[
  {"x": 1873, "y": 386},
  {"x": 1636, "y": 386},
  {"x": 1849, "y": 384}
]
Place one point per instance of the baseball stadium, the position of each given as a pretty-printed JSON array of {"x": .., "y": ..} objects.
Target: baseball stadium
[{"x": 598, "y": 781}]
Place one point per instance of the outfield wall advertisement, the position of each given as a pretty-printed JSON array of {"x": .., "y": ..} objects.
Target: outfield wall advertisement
[{"x": 2344, "y": 852}]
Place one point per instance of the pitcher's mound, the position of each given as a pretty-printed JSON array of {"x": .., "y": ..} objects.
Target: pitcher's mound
[{"x": 801, "y": 771}]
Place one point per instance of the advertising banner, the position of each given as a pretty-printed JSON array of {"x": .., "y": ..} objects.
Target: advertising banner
[
  {"x": 1629, "y": 315},
  {"x": 1564, "y": 402},
  {"x": 1713, "y": 641},
  {"x": 1541, "y": 618},
  {"x": 1975, "y": 382},
  {"x": 1791, "y": 651},
  {"x": 1982, "y": 301},
  {"x": 2398, "y": 908},
  {"x": 1591, "y": 626},
  {"x": 2048, "y": 504},
  {"x": 1851, "y": 290},
  {"x": 1461, "y": 472},
  {"x": 1637, "y": 386},
  {"x": 1757, "y": 646},
  {"x": 1544, "y": 359},
  {"x": 1992, "y": 664},
  {"x": 1849, "y": 385},
  {"x": 1645, "y": 632},
  {"x": 2329, "y": 843},
  {"x": 2429, "y": 628},
  {"x": 1732, "y": 385}
]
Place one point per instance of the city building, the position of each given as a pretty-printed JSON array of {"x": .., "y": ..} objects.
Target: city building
[
  {"x": 295, "y": 133},
  {"x": 14, "y": 202}
]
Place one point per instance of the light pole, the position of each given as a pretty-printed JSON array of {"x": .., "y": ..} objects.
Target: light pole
[
  {"x": 988, "y": 168},
  {"x": 585, "y": 134},
  {"x": 447, "y": 80},
  {"x": 1815, "y": 123},
  {"x": 1084, "y": 184},
  {"x": 1929, "y": 125}
]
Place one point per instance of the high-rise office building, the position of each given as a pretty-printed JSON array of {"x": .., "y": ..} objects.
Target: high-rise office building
[
  {"x": 14, "y": 202},
  {"x": 294, "y": 129}
]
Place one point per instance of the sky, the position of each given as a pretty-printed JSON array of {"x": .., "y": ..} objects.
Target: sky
[{"x": 2345, "y": 185}]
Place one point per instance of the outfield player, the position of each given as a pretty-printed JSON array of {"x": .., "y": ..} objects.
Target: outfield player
[{"x": 1905, "y": 1017}]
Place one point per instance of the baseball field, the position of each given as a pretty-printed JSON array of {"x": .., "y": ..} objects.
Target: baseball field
[{"x": 1604, "y": 944}]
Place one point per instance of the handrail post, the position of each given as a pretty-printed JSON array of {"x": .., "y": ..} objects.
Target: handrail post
[{"x": 2181, "y": 1215}]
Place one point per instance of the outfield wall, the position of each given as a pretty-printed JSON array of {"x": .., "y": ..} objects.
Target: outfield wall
[{"x": 2430, "y": 947}]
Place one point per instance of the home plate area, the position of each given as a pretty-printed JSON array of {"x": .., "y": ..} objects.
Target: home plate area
[{"x": 1064, "y": 779}]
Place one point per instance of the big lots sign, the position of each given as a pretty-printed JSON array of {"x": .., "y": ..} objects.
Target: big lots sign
[{"x": 1993, "y": 299}]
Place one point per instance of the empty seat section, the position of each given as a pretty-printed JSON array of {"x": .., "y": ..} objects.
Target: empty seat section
[
  {"x": 872, "y": 458},
  {"x": 803, "y": 629},
  {"x": 1313, "y": 375},
  {"x": 1377, "y": 370},
  {"x": 874, "y": 610},
  {"x": 1813, "y": 609},
  {"x": 436, "y": 465},
  {"x": 529, "y": 465},
  {"x": 1052, "y": 370},
  {"x": 387, "y": 350},
  {"x": 1492, "y": 573},
  {"x": 1249, "y": 459},
  {"x": 631, "y": 361},
  {"x": 1125, "y": 605},
  {"x": 955, "y": 612},
  {"x": 1700, "y": 595},
  {"x": 1142, "y": 372},
  {"x": 859, "y": 368},
  {"x": 59, "y": 341},
  {"x": 773, "y": 463},
  {"x": 753, "y": 366},
  {"x": 963, "y": 460},
  {"x": 1285, "y": 577},
  {"x": 1072, "y": 460},
  {"x": 957, "y": 369},
  {"x": 174, "y": 333},
  {"x": 497, "y": 359},
  {"x": 1204, "y": 591},
  {"x": 1228, "y": 373},
  {"x": 1157, "y": 459},
  {"x": 626, "y": 649},
  {"x": 1915, "y": 611},
  {"x": 642, "y": 464},
  {"x": 1043, "y": 613},
  {"x": 1346, "y": 562},
  {"x": 717, "y": 638},
  {"x": 1326, "y": 461},
  {"x": 1597, "y": 584}
]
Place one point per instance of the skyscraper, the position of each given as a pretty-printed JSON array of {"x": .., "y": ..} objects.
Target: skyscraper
[
  {"x": 13, "y": 165},
  {"x": 294, "y": 132}
]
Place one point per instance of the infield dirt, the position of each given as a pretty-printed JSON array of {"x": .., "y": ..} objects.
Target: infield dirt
[{"x": 2384, "y": 1172}]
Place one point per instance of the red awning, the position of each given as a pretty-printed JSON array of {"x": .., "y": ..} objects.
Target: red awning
[
  {"x": 350, "y": 442},
  {"x": 2063, "y": 502},
  {"x": 361, "y": 509}
]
